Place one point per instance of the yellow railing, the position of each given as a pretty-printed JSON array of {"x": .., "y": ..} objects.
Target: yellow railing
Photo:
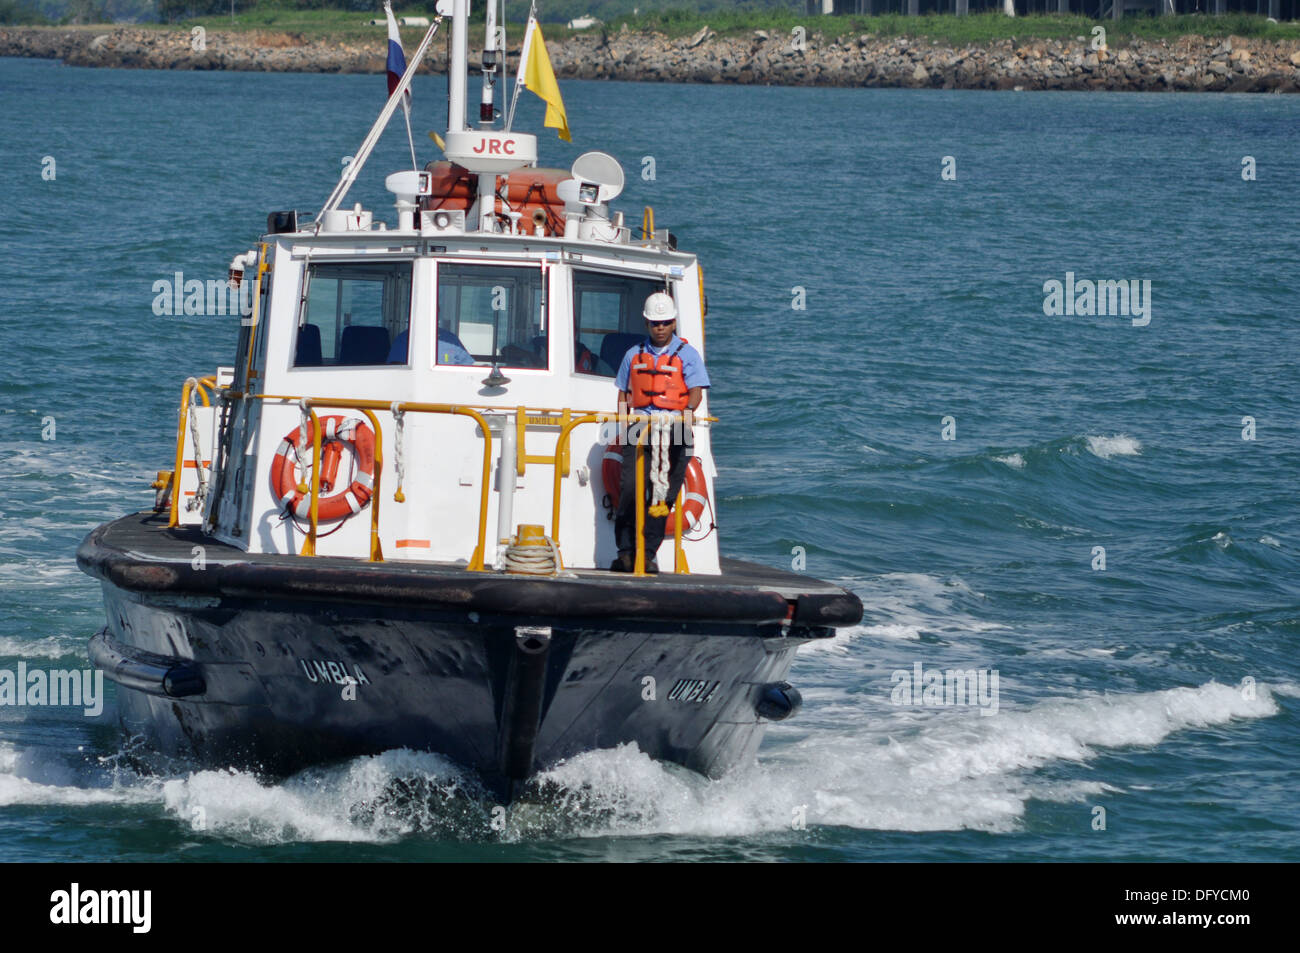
[
  {"x": 562, "y": 453},
  {"x": 476, "y": 562},
  {"x": 262, "y": 268},
  {"x": 191, "y": 384},
  {"x": 564, "y": 418},
  {"x": 309, "y": 546}
]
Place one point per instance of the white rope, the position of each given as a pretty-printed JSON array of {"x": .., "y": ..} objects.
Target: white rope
[
  {"x": 534, "y": 560},
  {"x": 201, "y": 494},
  {"x": 304, "y": 423},
  {"x": 660, "y": 440},
  {"x": 399, "y": 461}
]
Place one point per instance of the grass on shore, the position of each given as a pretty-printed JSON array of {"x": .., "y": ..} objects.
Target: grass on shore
[
  {"x": 960, "y": 31},
  {"x": 953, "y": 30}
]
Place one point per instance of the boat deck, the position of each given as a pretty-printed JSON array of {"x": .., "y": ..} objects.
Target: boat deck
[{"x": 139, "y": 553}]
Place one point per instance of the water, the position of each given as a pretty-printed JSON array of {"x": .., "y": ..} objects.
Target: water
[{"x": 1119, "y": 689}]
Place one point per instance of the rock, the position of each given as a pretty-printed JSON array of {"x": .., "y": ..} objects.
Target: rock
[
  {"x": 1218, "y": 68},
  {"x": 1295, "y": 58},
  {"x": 761, "y": 35},
  {"x": 703, "y": 34},
  {"x": 920, "y": 74}
]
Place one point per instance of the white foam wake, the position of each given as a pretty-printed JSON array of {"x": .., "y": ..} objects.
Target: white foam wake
[
  {"x": 1119, "y": 445},
  {"x": 941, "y": 771},
  {"x": 50, "y": 647},
  {"x": 890, "y": 769}
]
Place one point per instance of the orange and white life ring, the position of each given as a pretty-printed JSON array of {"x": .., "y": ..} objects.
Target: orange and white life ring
[
  {"x": 696, "y": 491},
  {"x": 334, "y": 432}
]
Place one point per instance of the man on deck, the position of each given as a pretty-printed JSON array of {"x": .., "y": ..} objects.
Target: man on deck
[{"x": 662, "y": 374}]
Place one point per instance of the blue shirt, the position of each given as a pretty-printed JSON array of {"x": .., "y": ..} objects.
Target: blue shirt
[
  {"x": 450, "y": 350},
  {"x": 693, "y": 371}
]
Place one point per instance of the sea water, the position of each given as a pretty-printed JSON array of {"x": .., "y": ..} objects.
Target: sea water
[{"x": 1091, "y": 515}]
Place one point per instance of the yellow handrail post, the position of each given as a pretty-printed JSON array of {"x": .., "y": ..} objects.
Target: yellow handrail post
[
  {"x": 562, "y": 459},
  {"x": 309, "y": 547},
  {"x": 638, "y": 567},
  {"x": 521, "y": 429},
  {"x": 679, "y": 554},
  {"x": 562, "y": 448},
  {"x": 254, "y": 317},
  {"x": 477, "y": 560},
  {"x": 647, "y": 224},
  {"x": 173, "y": 515},
  {"x": 376, "y": 551}
]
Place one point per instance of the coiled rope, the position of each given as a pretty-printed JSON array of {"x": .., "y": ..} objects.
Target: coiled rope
[{"x": 534, "y": 554}]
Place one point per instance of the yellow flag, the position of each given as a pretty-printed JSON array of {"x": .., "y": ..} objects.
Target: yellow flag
[{"x": 536, "y": 75}]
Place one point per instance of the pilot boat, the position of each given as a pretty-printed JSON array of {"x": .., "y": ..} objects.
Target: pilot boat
[{"x": 388, "y": 523}]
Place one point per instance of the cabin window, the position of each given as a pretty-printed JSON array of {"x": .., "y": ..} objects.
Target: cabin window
[
  {"x": 354, "y": 315},
  {"x": 607, "y": 319},
  {"x": 491, "y": 314}
]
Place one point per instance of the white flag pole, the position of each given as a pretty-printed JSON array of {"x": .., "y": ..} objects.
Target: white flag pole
[
  {"x": 406, "y": 111},
  {"x": 368, "y": 144},
  {"x": 522, "y": 68}
]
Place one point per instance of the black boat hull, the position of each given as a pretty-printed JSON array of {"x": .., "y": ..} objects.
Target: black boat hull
[{"x": 220, "y": 675}]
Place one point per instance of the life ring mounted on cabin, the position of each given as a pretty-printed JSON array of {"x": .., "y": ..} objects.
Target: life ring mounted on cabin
[
  {"x": 695, "y": 490},
  {"x": 335, "y": 431}
]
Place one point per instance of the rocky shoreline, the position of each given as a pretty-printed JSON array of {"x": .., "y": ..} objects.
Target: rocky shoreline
[{"x": 1189, "y": 63}]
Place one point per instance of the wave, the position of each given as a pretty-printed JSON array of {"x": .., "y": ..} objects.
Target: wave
[
  {"x": 1118, "y": 445},
  {"x": 51, "y": 647},
  {"x": 941, "y": 769}
]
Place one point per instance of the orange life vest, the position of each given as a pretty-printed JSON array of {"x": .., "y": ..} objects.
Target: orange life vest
[{"x": 658, "y": 380}]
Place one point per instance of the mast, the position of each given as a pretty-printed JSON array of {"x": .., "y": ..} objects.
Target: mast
[
  {"x": 486, "y": 152},
  {"x": 485, "y": 115},
  {"x": 458, "y": 66}
]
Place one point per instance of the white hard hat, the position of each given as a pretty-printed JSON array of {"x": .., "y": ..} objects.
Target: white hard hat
[{"x": 660, "y": 307}]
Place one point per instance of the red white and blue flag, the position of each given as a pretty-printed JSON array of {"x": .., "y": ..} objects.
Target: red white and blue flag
[{"x": 396, "y": 60}]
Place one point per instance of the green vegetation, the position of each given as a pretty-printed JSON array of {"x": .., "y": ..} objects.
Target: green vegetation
[
  {"x": 958, "y": 31},
  {"x": 15, "y": 12},
  {"x": 347, "y": 19}
]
